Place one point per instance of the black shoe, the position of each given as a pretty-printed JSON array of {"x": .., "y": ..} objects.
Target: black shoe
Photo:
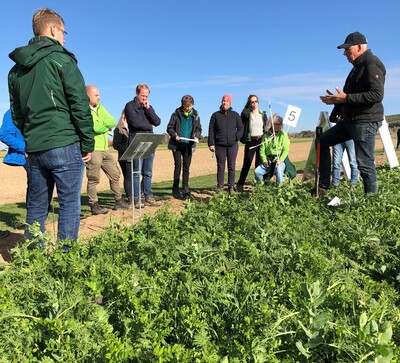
[
  {"x": 120, "y": 204},
  {"x": 97, "y": 209},
  {"x": 239, "y": 188},
  {"x": 177, "y": 194},
  {"x": 187, "y": 196}
]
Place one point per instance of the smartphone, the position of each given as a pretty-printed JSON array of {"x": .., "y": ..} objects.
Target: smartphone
[{"x": 329, "y": 92}]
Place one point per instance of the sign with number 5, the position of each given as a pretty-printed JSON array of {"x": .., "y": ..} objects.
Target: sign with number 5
[{"x": 292, "y": 116}]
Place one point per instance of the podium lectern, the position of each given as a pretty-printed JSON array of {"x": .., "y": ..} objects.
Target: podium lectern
[{"x": 141, "y": 147}]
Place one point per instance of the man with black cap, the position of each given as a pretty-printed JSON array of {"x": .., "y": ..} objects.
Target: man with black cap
[{"x": 359, "y": 109}]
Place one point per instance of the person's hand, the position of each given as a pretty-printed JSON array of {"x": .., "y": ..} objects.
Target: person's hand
[
  {"x": 86, "y": 157},
  {"x": 279, "y": 162},
  {"x": 177, "y": 138},
  {"x": 331, "y": 99},
  {"x": 196, "y": 139},
  {"x": 146, "y": 104},
  {"x": 266, "y": 163},
  {"x": 212, "y": 148}
]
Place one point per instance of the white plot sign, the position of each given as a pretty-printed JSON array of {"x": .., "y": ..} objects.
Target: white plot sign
[{"x": 292, "y": 116}]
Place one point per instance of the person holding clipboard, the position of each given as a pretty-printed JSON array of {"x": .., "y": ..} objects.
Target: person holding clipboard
[{"x": 184, "y": 129}]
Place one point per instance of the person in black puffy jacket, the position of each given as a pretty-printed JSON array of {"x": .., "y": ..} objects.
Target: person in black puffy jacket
[{"x": 224, "y": 132}]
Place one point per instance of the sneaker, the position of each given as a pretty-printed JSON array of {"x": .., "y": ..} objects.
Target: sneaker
[
  {"x": 97, "y": 209},
  {"x": 121, "y": 204},
  {"x": 231, "y": 191},
  {"x": 4, "y": 234},
  {"x": 138, "y": 203},
  {"x": 151, "y": 202},
  {"x": 239, "y": 188}
]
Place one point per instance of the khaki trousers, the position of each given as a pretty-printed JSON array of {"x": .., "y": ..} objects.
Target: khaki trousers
[{"x": 102, "y": 160}]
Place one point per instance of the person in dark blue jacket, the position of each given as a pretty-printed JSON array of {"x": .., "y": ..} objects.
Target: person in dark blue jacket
[
  {"x": 11, "y": 136},
  {"x": 142, "y": 118},
  {"x": 224, "y": 132}
]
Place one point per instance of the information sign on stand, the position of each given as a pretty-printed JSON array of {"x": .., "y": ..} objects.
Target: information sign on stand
[{"x": 141, "y": 147}]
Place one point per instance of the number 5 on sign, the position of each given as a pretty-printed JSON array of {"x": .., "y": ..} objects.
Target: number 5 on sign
[{"x": 292, "y": 116}]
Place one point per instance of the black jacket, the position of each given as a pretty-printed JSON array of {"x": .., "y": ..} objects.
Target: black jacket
[
  {"x": 140, "y": 119},
  {"x": 174, "y": 127},
  {"x": 225, "y": 129},
  {"x": 364, "y": 88},
  {"x": 245, "y": 116}
]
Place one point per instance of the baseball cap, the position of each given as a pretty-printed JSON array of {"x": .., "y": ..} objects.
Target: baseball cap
[{"x": 352, "y": 39}]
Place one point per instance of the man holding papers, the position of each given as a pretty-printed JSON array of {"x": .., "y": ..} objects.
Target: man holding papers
[{"x": 184, "y": 129}]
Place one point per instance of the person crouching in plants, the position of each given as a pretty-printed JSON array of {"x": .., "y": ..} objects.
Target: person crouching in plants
[{"x": 274, "y": 150}]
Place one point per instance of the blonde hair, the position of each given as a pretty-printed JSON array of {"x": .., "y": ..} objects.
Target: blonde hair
[
  {"x": 43, "y": 18},
  {"x": 141, "y": 86}
]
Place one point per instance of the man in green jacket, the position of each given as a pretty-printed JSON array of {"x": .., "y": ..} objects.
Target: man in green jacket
[
  {"x": 103, "y": 122},
  {"x": 50, "y": 107}
]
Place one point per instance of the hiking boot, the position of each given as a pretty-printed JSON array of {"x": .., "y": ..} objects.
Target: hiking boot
[
  {"x": 120, "y": 204},
  {"x": 239, "y": 188},
  {"x": 151, "y": 202},
  {"x": 4, "y": 234},
  {"x": 97, "y": 209},
  {"x": 138, "y": 203}
]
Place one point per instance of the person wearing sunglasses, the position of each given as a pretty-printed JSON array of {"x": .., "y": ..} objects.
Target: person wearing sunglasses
[{"x": 255, "y": 126}]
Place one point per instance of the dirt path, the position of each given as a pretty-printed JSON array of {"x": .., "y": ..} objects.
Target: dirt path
[{"x": 13, "y": 182}]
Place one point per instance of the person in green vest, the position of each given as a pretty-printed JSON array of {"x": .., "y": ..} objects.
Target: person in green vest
[{"x": 102, "y": 159}]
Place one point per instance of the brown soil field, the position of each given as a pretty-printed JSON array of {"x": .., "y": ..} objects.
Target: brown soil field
[{"x": 13, "y": 182}]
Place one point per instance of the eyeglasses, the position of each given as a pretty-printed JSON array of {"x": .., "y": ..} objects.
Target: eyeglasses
[
  {"x": 62, "y": 31},
  {"x": 277, "y": 124}
]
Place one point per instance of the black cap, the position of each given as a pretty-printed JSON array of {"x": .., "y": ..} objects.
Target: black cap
[{"x": 352, "y": 39}]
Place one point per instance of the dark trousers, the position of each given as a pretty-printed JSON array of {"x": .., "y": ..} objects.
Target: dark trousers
[
  {"x": 182, "y": 160},
  {"x": 127, "y": 174},
  {"x": 248, "y": 159},
  {"x": 224, "y": 153},
  {"x": 363, "y": 134}
]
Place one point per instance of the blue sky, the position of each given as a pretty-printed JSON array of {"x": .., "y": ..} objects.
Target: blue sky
[{"x": 283, "y": 51}]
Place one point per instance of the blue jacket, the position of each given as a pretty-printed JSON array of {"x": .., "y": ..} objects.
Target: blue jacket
[{"x": 12, "y": 137}]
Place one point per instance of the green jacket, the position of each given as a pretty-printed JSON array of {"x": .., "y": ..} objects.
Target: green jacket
[
  {"x": 274, "y": 149},
  {"x": 102, "y": 123},
  {"x": 48, "y": 99}
]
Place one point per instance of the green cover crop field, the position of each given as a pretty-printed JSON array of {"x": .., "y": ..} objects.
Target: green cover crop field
[{"x": 269, "y": 276}]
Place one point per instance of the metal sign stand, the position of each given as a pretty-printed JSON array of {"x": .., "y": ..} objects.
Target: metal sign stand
[{"x": 141, "y": 147}]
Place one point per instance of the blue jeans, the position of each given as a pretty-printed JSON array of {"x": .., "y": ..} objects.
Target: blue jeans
[
  {"x": 62, "y": 167},
  {"x": 279, "y": 171},
  {"x": 363, "y": 134},
  {"x": 338, "y": 150},
  {"x": 145, "y": 166}
]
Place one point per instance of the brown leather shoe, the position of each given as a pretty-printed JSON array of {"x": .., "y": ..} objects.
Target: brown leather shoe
[
  {"x": 97, "y": 209},
  {"x": 151, "y": 202},
  {"x": 121, "y": 204}
]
